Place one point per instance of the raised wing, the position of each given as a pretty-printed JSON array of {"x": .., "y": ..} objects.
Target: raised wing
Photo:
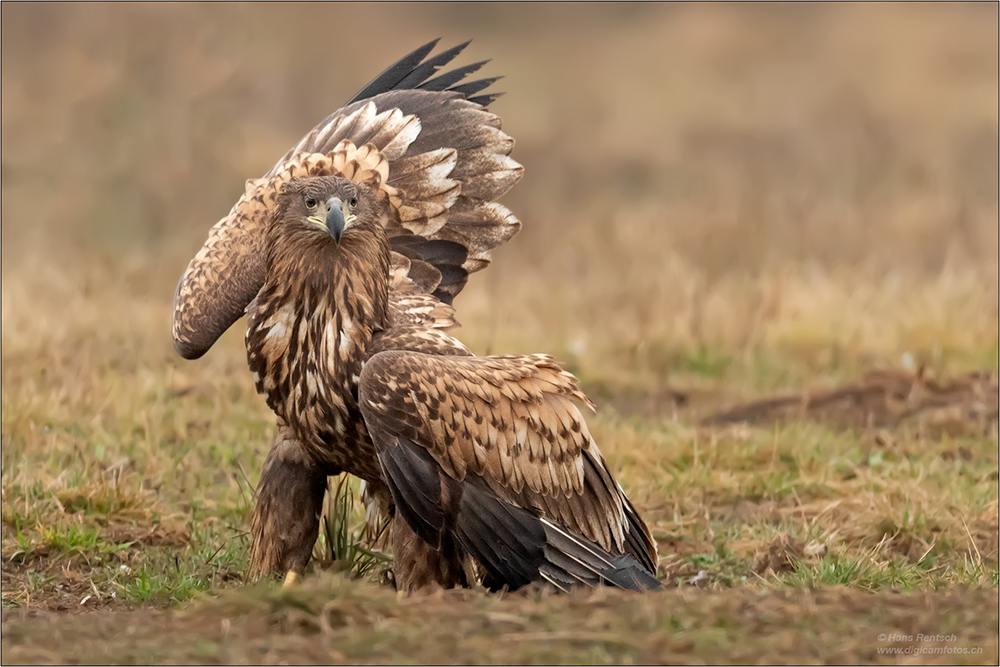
[
  {"x": 427, "y": 144},
  {"x": 493, "y": 452}
]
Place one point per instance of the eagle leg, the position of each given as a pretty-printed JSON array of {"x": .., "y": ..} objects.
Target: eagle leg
[
  {"x": 417, "y": 564},
  {"x": 285, "y": 521}
]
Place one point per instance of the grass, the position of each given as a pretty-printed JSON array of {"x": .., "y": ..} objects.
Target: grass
[
  {"x": 334, "y": 620},
  {"x": 805, "y": 196},
  {"x": 345, "y": 541}
]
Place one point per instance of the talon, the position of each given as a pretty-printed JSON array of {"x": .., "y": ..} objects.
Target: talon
[{"x": 290, "y": 578}]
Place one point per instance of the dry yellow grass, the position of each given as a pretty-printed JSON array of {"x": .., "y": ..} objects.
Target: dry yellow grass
[{"x": 722, "y": 201}]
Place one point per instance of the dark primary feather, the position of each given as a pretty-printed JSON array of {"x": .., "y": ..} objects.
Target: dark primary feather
[
  {"x": 634, "y": 542},
  {"x": 429, "y": 67},
  {"x": 395, "y": 73},
  {"x": 416, "y": 478},
  {"x": 449, "y": 78},
  {"x": 506, "y": 540},
  {"x": 412, "y": 72},
  {"x": 571, "y": 560},
  {"x": 515, "y": 546},
  {"x": 473, "y": 87},
  {"x": 485, "y": 100}
]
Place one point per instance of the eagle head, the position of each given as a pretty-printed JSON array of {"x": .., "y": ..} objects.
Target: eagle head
[
  {"x": 327, "y": 233},
  {"x": 327, "y": 209}
]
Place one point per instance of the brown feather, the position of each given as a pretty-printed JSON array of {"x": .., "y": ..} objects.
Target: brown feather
[
  {"x": 523, "y": 467},
  {"x": 377, "y": 141},
  {"x": 325, "y": 311}
]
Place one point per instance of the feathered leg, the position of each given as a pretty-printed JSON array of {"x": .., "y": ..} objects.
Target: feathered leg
[
  {"x": 285, "y": 521},
  {"x": 416, "y": 564},
  {"x": 377, "y": 501}
]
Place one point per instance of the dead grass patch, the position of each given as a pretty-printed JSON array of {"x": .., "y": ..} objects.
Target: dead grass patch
[
  {"x": 331, "y": 620},
  {"x": 885, "y": 399}
]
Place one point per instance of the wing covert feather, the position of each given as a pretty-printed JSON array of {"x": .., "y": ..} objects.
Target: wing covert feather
[
  {"x": 510, "y": 421},
  {"x": 430, "y": 151}
]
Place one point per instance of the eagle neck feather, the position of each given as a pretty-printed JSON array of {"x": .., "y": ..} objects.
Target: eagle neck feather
[{"x": 308, "y": 335}]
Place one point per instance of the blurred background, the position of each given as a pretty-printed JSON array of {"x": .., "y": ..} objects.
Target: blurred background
[{"x": 701, "y": 181}]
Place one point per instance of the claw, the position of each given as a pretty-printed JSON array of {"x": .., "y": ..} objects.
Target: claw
[{"x": 290, "y": 578}]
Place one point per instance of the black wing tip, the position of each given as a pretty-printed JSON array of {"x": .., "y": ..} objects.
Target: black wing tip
[
  {"x": 415, "y": 69},
  {"x": 448, "y": 79},
  {"x": 630, "y": 575},
  {"x": 570, "y": 556},
  {"x": 421, "y": 52},
  {"x": 622, "y": 572},
  {"x": 485, "y": 100},
  {"x": 429, "y": 67},
  {"x": 396, "y": 72},
  {"x": 472, "y": 87},
  {"x": 447, "y": 55},
  {"x": 541, "y": 550}
]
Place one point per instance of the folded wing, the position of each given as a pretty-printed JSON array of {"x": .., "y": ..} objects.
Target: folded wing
[{"x": 493, "y": 452}]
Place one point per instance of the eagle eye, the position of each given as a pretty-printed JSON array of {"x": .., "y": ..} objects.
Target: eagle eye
[
  {"x": 310, "y": 203},
  {"x": 353, "y": 202}
]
